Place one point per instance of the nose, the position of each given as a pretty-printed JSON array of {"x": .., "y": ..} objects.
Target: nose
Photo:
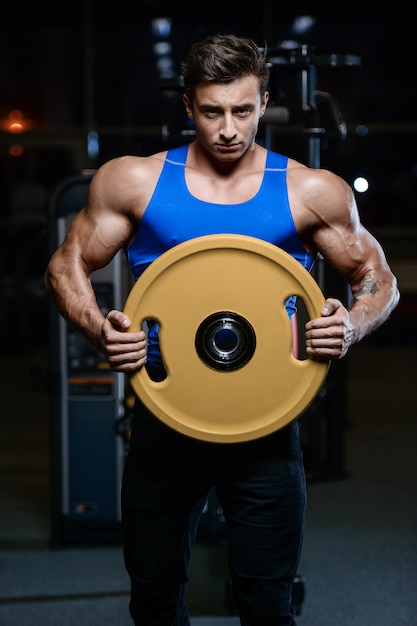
[{"x": 228, "y": 130}]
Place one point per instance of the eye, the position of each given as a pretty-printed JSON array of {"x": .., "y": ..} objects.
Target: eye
[{"x": 243, "y": 112}]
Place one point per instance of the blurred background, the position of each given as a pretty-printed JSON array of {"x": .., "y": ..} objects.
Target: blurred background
[{"x": 83, "y": 81}]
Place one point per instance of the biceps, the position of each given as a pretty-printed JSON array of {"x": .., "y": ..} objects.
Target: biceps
[{"x": 94, "y": 240}]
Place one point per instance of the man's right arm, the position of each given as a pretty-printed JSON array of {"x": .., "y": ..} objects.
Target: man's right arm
[{"x": 94, "y": 237}]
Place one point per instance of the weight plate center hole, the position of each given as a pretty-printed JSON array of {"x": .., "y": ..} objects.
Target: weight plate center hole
[{"x": 225, "y": 341}]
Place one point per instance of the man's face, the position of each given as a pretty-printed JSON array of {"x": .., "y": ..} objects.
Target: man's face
[{"x": 226, "y": 116}]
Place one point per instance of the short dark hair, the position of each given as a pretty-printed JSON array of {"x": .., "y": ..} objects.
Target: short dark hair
[{"x": 222, "y": 58}]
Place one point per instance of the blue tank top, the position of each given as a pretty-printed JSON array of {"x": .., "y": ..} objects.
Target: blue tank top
[{"x": 174, "y": 215}]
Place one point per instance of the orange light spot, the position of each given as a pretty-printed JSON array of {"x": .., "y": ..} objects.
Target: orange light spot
[
  {"x": 16, "y": 150},
  {"x": 15, "y": 127}
]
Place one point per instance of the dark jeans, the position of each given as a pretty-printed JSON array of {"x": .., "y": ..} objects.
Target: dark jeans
[{"x": 261, "y": 488}]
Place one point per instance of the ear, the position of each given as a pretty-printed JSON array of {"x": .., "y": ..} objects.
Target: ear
[
  {"x": 188, "y": 107},
  {"x": 264, "y": 102}
]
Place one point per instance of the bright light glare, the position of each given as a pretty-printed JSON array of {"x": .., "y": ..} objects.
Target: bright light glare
[
  {"x": 288, "y": 44},
  {"x": 15, "y": 127},
  {"x": 161, "y": 27},
  {"x": 162, "y": 48},
  {"x": 360, "y": 184},
  {"x": 303, "y": 23},
  {"x": 16, "y": 123}
]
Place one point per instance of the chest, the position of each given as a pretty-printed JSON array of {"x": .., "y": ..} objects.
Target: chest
[{"x": 227, "y": 189}]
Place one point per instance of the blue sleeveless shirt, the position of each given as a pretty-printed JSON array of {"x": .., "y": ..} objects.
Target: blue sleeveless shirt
[{"x": 174, "y": 215}]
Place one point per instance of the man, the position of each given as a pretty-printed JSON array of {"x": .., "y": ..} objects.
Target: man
[{"x": 223, "y": 182}]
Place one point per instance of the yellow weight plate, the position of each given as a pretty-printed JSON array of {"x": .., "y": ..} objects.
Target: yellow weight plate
[{"x": 190, "y": 291}]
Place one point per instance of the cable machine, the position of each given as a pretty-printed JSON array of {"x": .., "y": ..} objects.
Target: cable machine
[{"x": 316, "y": 117}]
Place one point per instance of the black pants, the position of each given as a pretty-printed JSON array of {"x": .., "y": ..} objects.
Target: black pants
[{"x": 261, "y": 488}]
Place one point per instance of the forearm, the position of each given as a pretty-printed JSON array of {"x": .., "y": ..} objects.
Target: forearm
[
  {"x": 373, "y": 301},
  {"x": 70, "y": 289}
]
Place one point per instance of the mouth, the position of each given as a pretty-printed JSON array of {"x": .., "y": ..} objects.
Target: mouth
[{"x": 228, "y": 148}]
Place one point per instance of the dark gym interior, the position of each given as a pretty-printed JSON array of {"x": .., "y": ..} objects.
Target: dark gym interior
[{"x": 84, "y": 81}]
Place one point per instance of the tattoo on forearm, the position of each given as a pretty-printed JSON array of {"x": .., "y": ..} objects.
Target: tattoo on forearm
[{"x": 368, "y": 286}]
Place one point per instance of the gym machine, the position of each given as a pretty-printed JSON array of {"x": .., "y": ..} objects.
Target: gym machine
[
  {"x": 315, "y": 117},
  {"x": 87, "y": 401}
]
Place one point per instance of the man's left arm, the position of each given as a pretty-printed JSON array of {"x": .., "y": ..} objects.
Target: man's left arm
[{"x": 359, "y": 258}]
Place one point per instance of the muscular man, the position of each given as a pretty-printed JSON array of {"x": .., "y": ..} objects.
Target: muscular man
[{"x": 223, "y": 182}]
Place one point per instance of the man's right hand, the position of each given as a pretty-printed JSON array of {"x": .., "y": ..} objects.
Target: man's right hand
[{"x": 125, "y": 351}]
